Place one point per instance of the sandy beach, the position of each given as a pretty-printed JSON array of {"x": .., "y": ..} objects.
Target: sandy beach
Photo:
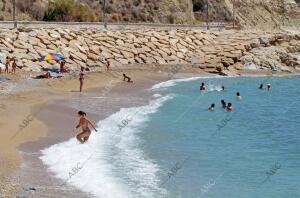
[{"x": 38, "y": 108}]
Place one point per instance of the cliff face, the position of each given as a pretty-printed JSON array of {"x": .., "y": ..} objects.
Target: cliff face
[{"x": 259, "y": 13}]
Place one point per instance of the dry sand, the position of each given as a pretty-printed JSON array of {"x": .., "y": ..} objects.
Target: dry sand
[{"x": 25, "y": 109}]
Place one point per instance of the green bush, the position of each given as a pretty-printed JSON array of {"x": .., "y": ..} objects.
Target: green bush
[{"x": 69, "y": 10}]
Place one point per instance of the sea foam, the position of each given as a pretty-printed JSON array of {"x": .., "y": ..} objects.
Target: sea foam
[{"x": 111, "y": 164}]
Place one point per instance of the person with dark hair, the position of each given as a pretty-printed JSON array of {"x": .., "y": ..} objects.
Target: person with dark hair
[
  {"x": 269, "y": 86},
  {"x": 229, "y": 107},
  {"x": 63, "y": 68},
  {"x": 84, "y": 124},
  {"x": 202, "y": 87},
  {"x": 211, "y": 107},
  {"x": 81, "y": 78},
  {"x": 7, "y": 64},
  {"x": 46, "y": 75},
  {"x": 238, "y": 96},
  {"x": 223, "y": 88},
  {"x": 107, "y": 63},
  {"x": 14, "y": 65},
  {"x": 223, "y": 104},
  {"x": 127, "y": 78},
  {"x": 261, "y": 86}
]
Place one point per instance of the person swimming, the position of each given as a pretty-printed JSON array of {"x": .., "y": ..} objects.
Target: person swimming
[
  {"x": 202, "y": 87},
  {"x": 128, "y": 78},
  {"x": 229, "y": 107},
  {"x": 84, "y": 124},
  {"x": 211, "y": 107},
  {"x": 261, "y": 86},
  {"x": 269, "y": 87},
  {"x": 223, "y": 104},
  {"x": 223, "y": 88},
  {"x": 238, "y": 96}
]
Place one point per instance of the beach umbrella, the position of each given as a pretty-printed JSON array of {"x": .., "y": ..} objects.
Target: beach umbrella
[{"x": 51, "y": 57}]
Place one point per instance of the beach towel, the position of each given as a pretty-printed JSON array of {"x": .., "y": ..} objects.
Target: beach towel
[{"x": 3, "y": 79}]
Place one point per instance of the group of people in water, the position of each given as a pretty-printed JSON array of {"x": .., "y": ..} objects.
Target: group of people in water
[
  {"x": 269, "y": 86},
  {"x": 10, "y": 62},
  {"x": 228, "y": 106}
]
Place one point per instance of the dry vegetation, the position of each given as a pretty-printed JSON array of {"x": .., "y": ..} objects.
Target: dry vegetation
[{"x": 251, "y": 12}]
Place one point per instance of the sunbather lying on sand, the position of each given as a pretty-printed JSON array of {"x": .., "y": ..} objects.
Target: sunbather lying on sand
[{"x": 46, "y": 75}]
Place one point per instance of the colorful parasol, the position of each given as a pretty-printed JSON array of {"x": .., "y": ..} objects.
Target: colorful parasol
[{"x": 51, "y": 57}]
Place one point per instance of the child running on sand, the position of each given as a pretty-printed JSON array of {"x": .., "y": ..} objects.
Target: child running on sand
[
  {"x": 128, "y": 78},
  {"x": 84, "y": 124}
]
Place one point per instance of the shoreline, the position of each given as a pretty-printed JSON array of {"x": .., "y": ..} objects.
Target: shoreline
[{"x": 41, "y": 128}]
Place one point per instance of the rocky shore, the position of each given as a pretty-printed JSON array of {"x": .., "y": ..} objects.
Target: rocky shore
[{"x": 223, "y": 52}]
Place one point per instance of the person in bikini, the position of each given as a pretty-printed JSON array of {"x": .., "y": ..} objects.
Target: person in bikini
[
  {"x": 14, "y": 66},
  {"x": 84, "y": 124}
]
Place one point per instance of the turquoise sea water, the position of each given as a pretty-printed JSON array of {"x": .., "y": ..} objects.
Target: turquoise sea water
[
  {"x": 174, "y": 147},
  {"x": 253, "y": 151}
]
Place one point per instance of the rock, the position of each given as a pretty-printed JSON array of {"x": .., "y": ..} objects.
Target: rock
[
  {"x": 78, "y": 56},
  {"x": 123, "y": 61},
  {"x": 264, "y": 40},
  {"x": 254, "y": 45},
  {"x": 250, "y": 66},
  {"x": 95, "y": 49},
  {"x": 127, "y": 54}
]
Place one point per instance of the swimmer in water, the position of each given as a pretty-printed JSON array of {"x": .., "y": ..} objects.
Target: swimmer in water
[
  {"x": 202, "y": 87},
  {"x": 211, "y": 107},
  {"x": 229, "y": 107},
  {"x": 269, "y": 86},
  {"x": 223, "y": 104},
  {"x": 223, "y": 88},
  {"x": 261, "y": 86},
  {"x": 84, "y": 124},
  {"x": 238, "y": 96}
]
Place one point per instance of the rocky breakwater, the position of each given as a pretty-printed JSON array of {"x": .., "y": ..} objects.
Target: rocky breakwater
[
  {"x": 215, "y": 52},
  {"x": 280, "y": 52},
  {"x": 124, "y": 47}
]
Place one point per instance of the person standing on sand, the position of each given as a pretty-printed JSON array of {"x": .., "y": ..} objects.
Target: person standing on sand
[
  {"x": 14, "y": 66},
  {"x": 7, "y": 64},
  {"x": 81, "y": 78},
  {"x": 107, "y": 62},
  {"x": 84, "y": 124}
]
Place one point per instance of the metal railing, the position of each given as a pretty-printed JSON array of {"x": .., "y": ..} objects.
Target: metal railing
[{"x": 101, "y": 25}]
